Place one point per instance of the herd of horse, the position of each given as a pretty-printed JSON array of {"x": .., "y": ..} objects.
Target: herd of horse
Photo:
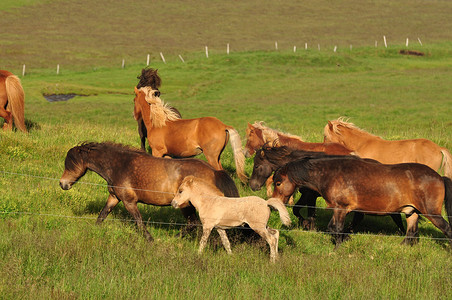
[{"x": 352, "y": 170}]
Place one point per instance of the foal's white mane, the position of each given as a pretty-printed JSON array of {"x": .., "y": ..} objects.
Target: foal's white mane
[
  {"x": 271, "y": 135},
  {"x": 160, "y": 112}
]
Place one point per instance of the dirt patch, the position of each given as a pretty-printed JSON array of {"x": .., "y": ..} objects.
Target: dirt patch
[{"x": 411, "y": 52}]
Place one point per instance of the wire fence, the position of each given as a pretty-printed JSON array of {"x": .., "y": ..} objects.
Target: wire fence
[{"x": 178, "y": 224}]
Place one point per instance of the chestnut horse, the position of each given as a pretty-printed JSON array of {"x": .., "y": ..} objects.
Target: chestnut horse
[
  {"x": 348, "y": 184},
  {"x": 257, "y": 135},
  {"x": 367, "y": 145},
  {"x": 134, "y": 176},
  {"x": 269, "y": 159},
  {"x": 12, "y": 102},
  {"x": 149, "y": 77},
  {"x": 217, "y": 211},
  {"x": 168, "y": 135}
]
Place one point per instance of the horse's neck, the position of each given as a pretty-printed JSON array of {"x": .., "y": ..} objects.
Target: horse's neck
[
  {"x": 100, "y": 165},
  {"x": 289, "y": 140},
  {"x": 354, "y": 139},
  {"x": 201, "y": 200}
]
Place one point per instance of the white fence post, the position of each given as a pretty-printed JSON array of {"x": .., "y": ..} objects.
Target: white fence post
[
  {"x": 58, "y": 69},
  {"x": 163, "y": 58},
  {"x": 23, "y": 70},
  {"x": 207, "y": 52},
  {"x": 419, "y": 41},
  {"x": 384, "y": 39},
  {"x": 147, "y": 60},
  {"x": 123, "y": 63},
  {"x": 227, "y": 48},
  {"x": 181, "y": 58}
]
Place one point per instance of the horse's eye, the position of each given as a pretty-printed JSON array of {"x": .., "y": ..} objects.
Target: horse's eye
[
  {"x": 180, "y": 191},
  {"x": 278, "y": 183}
]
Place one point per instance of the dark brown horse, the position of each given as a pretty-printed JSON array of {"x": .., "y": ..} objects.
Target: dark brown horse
[
  {"x": 134, "y": 176},
  {"x": 349, "y": 184},
  {"x": 169, "y": 135},
  {"x": 149, "y": 77},
  {"x": 12, "y": 102},
  {"x": 257, "y": 135},
  {"x": 269, "y": 159}
]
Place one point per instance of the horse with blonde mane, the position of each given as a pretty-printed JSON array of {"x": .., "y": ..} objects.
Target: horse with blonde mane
[
  {"x": 367, "y": 145},
  {"x": 12, "y": 104},
  {"x": 257, "y": 135},
  {"x": 217, "y": 211},
  {"x": 149, "y": 77},
  {"x": 169, "y": 135}
]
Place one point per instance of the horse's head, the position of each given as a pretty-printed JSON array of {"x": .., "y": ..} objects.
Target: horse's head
[
  {"x": 254, "y": 140},
  {"x": 143, "y": 97},
  {"x": 283, "y": 186},
  {"x": 149, "y": 77},
  {"x": 184, "y": 192},
  {"x": 74, "y": 167},
  {"x": 262, "y": 170}
]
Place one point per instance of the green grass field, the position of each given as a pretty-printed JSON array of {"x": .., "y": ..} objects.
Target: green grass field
[{"x": 49, "y": 243}]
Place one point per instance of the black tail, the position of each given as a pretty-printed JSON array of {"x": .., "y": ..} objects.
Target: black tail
[
  {"x": 225, "y": 184},
  {"x": 448, "y": 197}
]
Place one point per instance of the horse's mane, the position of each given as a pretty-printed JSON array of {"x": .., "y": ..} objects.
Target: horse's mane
[
  {"x": 149, "y": 77},
  {"x": 343, "y": 121},
  {"x": 107, "y": 146},
  {"x": 160, "y": 112},
  {"x": 271, "y": 135},
  {"x": 283, "y": 154}
]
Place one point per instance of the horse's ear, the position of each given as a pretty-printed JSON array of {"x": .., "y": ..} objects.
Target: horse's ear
[
  {"x": 330, "y": 125},
  {"x": 262, "y": 154},
  {"x": 136, "y": 90}
]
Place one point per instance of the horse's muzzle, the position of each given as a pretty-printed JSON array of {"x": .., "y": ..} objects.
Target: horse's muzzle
[
  {"x": 174, "y": 204},
  {"x": 254, "y": 185},
  {"x": 65, "y": 185}
]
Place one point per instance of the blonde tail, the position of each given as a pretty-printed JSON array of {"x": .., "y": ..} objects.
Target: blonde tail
[
  {"x": 16, "y": 103},
  {"x": 283, "y": 213},
  {"x": 447, "y": 163},
  {"x": 239, "y": 157}
]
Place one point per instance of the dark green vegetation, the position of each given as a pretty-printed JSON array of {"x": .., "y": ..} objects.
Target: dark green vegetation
[{"x": 49, "y": 245}]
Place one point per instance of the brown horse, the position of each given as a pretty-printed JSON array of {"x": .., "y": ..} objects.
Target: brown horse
[
  {"x": 257, "y": 135},
  {"x": 348, "y": 184},
  {"x": 217, "y": 211},
  {"x": 168, "y": 135},
  {"x": 12, "y": 102},
  {"x": 269, "y": 159},
  {"x": 134, "y": 176},
  {"x": 367, "y": 145},
  {"x": 149, "y": 77}
]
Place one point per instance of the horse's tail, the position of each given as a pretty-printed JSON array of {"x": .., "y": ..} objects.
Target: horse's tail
[
  {"x": 239, "y": 156},
  {"x": 448, "y": 197},
  {"x": 283, "y": 213},
  {"x": 16, "y": 97},
  {"x": 225, "y": 184},
  {"x": 447, "y": 162}
]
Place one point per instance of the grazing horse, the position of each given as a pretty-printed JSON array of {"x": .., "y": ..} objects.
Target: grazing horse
[
  {"x": 171, "y": 136},
  {"x": 350, "y": 184},
  {"x": 217, "y": 211},
  {"x": 367, "y": 145},
  {"x": 12, "y": 102},
  {"x": 149, "y": 77},
  {"x": 134, "y": 176},
  {"x": 257, "y": 135},
  {"x": 269, "y": 159}
]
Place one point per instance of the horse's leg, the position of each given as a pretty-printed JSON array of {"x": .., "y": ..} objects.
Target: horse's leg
[
  {"x": 142, "y": 131},
  {"x": 397, "y": 218},
  {"x": 442, "y": 225},
  {"x": 357, "y": 219},
  {"x": 112, "y": 201},
  {"x": 8, "y": 119},
  {"x": 268, "y": 185},
  {"x": 411, "y": 229},
  {"x": 133, "y": 210},
  {"x": 271, "y": 236},
  {"x": 311, "y": 199},
  {"x": 336, "y": 225},
  {"x": 205, "y": 235},
  {"x": 189, "y": 213},
  {"x": 225, "y": 240}
]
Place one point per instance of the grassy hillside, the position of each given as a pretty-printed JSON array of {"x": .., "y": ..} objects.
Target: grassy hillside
[
  {"x": 88, "y": 34},
  {"x": 49, "y": 245}
]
